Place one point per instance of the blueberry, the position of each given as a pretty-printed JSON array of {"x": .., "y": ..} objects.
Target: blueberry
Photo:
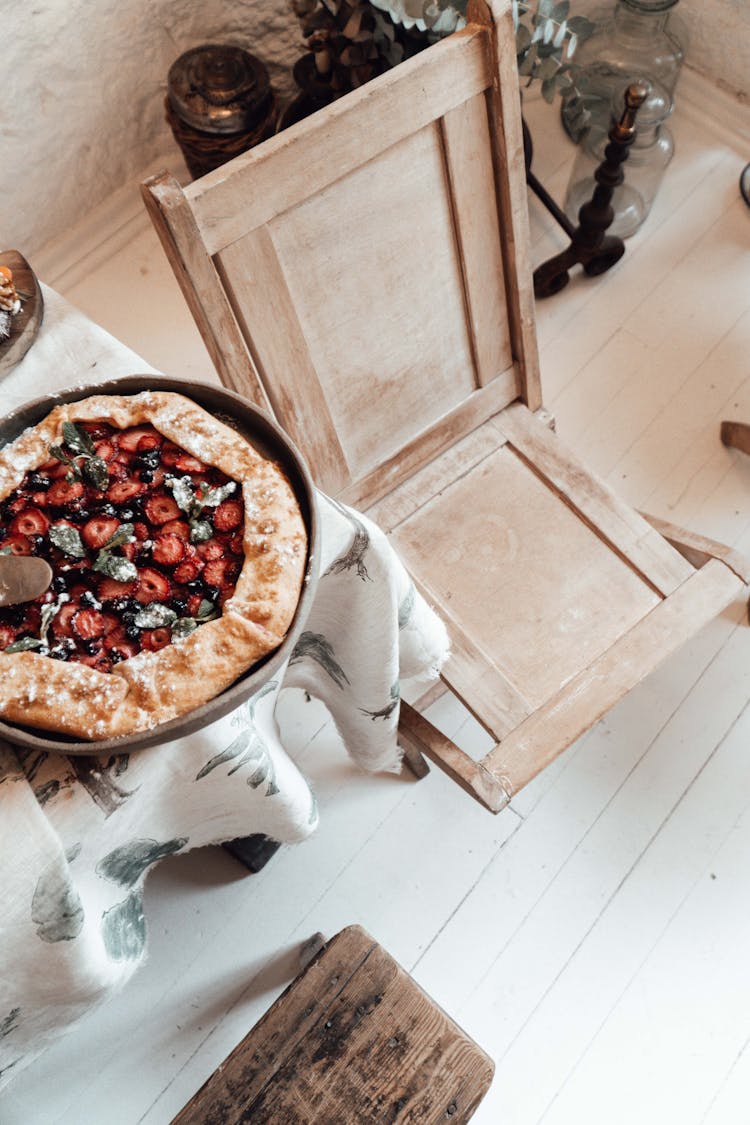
[
  {"x": 196, "y": 586},
  {"x": 59, "y": 583},
  {"x": 91, "y": 647},
  {"x": 87, "y": 598},
  {"x": 38, "y": 483},
  {"x": 146, "y": 475},
  {"x": 179, "y": 605},
  {"x": 133, "y": 632},
  {"x": 108, "y": 510},
  {"x": 59, "y": 654},
  {"x": 119, "y": 605},
  {"x": 14, "y": 614},
  {"x": 211, "y": 593}
]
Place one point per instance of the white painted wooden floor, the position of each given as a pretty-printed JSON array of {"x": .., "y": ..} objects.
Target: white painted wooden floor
[{"x": 594, "y": 937}]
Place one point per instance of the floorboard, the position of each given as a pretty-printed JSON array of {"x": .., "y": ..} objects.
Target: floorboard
[{"x": 594, "y": 936}]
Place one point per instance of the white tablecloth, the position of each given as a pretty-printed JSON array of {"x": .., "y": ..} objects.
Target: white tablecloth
[{"x": 79, "y": 835}]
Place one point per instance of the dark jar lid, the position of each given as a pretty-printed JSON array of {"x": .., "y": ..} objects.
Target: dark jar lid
[{"x": 218, "y": 89}]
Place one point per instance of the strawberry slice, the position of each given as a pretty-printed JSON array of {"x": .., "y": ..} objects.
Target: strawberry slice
[
  {"x": 39, "y": 498},
  {"x": 61, "y": 622},
  {"x": 188, "y": 464},
  {"x": 123, "y": 490},
  {"x": 97, "y": 660},
  {"x": 88, "y": 624},
  {"x": 117, "y": 471},
  {"x": 187, "y": 571},
  {"x": 154, "y": 639},
  {"x": 160, "y": 508},
  {"x": 105, "y": 450},
  {"x": 211, "y": 549},
  {"x": 194, "y": 604},
  {"x": 151, "y": 440},
  {"x": 141, "y": 531},
  {"x": 129, "y": 440},
  {"x": 228, "y": 515},
  {"x": 152, "y": 586},
  {"x": 109, "y": 589},
  {"x": 168, "y": 549},
  {"x": 30, "y": 522},
  {"x": 122, "y": 650},
  {"x": 63, "y": 491},
  {"x": 98, "y": 531},
  {"x": 7, "y": 636},
  {"x": 170, "y": 454},
  {"x": 111, "y": 623},
  {"x": 177, "y": 527},
  {"x": 237, "y": 543},
  {"x": 213, "y": 572},
  {"x": 18, "y": 544}
]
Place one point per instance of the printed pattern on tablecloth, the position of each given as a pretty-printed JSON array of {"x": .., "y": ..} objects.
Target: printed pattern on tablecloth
[{"x": 78, "y": 836}]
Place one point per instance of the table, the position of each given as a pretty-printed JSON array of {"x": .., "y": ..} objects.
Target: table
[{"x": 78, "y": 836}]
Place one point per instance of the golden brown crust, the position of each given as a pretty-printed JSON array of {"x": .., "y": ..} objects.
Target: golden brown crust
[{"x": 154, "y": 687}]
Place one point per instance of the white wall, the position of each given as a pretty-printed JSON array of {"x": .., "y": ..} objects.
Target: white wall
[
  {"x": 83, "y": 87},
  {"x": 82, "y": 109}
]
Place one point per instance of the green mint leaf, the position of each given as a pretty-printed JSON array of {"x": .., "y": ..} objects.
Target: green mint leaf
[
  {"x": 59, "y": 454},
  {"x": 78, "y": 440},
  {"x": 49, "y": 612},
  {"x": 96, "y": 473},
  {"x": 68, "y": 540},
  {"x": 205, "y": 610},
  {"x": 155, "y": 616},
  {"x": 114, "y": 566},
  {"x": 183, "y": 491},
  {"x": 73, "y": 474},
  {"x": 24, "y": 645},
  {"x": 216, "y": 496},
  {"x": 200, "y": 531},
  {"x": 184, "y": 626},
  {"x": 124, "y": 534},
  {"x": 6, "y": 550}
]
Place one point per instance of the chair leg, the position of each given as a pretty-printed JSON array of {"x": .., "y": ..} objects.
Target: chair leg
[
  {"x": 736, "y": 434},
  {"x": 253, "y": 852}
]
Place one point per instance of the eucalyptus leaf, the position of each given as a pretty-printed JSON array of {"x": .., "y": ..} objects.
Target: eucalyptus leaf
[
  {"x": 68, "y": 540},
  {"x": 205, "y": 609},
  {"x": 548, "y": 90}
]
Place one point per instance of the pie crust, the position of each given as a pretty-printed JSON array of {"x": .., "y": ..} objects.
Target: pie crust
[{"x": 156, "y": 686}]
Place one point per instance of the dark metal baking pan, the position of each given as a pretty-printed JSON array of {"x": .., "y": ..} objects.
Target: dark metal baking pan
[{"x": 270, "y": 440}]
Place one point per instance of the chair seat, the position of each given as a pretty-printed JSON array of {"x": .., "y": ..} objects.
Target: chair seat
[{"x": 544, "y": 578}]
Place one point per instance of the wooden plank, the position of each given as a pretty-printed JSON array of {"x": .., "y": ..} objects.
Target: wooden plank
[
  {"x": 201, "y": 287},
  {"x": 418, "y": 734},
  {"x": 552, "y": 728},
  {"x": 260, "y": 184},
  {"x": 433, "y": 440},
  {"x": 510, "y": 185},
  {"x": 255, "y": 281},
  {"x": 458, "y": 459},
  {"x": 353, "y": 1039},
  {"x": 532, "y": 586},
  {"x": 627, "y": 532},
  {"x": 465, "y": 133},
  {"x": 698, "y": 549},
  {"x": 374, "y": 272}
]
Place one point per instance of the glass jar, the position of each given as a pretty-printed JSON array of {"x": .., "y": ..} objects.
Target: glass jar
[
  {"x": 648, "y": 157},
  {"x": 641, "y": 37}
]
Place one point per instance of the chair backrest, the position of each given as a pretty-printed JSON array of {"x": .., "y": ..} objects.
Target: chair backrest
[{"x": 365, "y": 273}]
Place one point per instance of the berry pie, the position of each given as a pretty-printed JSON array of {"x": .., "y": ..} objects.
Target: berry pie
[{"x": 178, "y": 554}]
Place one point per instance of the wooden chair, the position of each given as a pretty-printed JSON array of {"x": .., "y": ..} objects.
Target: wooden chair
[{"x": 365, "y": 277}]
